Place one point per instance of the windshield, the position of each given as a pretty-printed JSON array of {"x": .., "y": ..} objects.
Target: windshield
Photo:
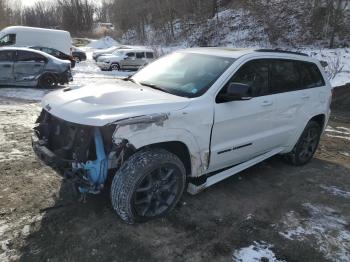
[
  {"x": 8, "y": 40},
  {"x": 184, "y": 74},
  {"x": 118, "y": 53}
]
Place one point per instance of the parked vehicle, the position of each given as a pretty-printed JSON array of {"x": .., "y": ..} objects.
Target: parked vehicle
[
  {"x": 126, "y": 59},
  {"x": 27, "y": 67},
  {"x": 96, "y": 54},
  {"x": 56, "y": 53},
  {"x": 78, "y": 55},
  {"x": 188, "y": 120},
  {"x": 22, "y": 36}
]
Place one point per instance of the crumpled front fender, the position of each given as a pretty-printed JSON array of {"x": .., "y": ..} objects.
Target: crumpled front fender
[{"x": 154, "y": 129}]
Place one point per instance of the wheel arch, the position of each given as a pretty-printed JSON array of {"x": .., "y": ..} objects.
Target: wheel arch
[
  {"x": 184, "y": 141},
  {"x": 115, "y": 63},
  {"x": 177, "y": 148},
  {"x": 319, "y": 119},
  {"x": 44, "y": 74}
]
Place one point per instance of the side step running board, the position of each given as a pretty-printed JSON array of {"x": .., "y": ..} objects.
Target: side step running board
[{"x": 194, "y": 189}]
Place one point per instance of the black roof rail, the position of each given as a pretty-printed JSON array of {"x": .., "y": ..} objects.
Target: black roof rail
[{"x": 280, "y": 51}]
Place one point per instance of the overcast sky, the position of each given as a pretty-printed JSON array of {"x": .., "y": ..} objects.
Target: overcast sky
[{"x": 31, "y": 2}]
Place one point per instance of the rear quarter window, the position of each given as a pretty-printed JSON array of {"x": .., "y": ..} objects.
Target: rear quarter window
[
  {"x": 310, "y": 75},
  {"x": 150, "y": 55}
]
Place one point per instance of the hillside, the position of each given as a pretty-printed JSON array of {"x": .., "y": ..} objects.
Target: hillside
[{"x": 282, "y": 23}]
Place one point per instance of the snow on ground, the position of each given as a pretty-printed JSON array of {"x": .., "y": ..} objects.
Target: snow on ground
[
  {"x": 335, "y": 191},
  {"x": 103, "y": 43},
  {"x": 327, "y": 227},
  {"x": 24, "y": 114},
  {"x": 9, "y": 230},
  {"x": 255, "y": 253},
  {"x": 23, "y": 93},
  {"x": 338, "y": 132}
]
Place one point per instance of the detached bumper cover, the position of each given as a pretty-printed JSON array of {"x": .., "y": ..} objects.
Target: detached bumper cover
[
  {"x": 103, "y": 65},
  {"x": 47, "y": 156},
  {"x": 90, "y": 177}
]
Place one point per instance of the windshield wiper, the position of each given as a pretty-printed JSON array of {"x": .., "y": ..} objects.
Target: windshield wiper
[
  {"x": 154, "y": 86},
  {"x": 129, "y": 78}
]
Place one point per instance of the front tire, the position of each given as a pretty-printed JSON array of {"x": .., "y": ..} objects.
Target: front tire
[
  {"x": 148, "y": 185},
  {"x": 306, "y": 146},
  {"x": 115, "y": 67}
]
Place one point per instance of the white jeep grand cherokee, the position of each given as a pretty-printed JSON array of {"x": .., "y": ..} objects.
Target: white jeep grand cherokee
[{"x": 188, "y": 120}]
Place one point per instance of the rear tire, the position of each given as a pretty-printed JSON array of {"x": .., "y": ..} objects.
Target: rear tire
[
  {"x": 306, "y": 146},
  {"x": 47, "y": 81},
  {"x": 148, "y": 185}
]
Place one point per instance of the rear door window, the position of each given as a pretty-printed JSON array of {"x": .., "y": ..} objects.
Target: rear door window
[
  {"x": 6, "y": 56},
  {"x": 284, "y": 76},
  {"x": 131, "y": 55},
  {"x": 26, "y": 56},
  {"x": 310, "y": 75},
  {"x": 149, "y": 55},
  {"x": 140, "y": 55}
]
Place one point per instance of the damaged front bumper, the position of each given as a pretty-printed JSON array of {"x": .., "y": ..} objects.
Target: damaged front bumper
[
  {"x": 78, "y": 157},
  {"x": 65, "y": 77}
]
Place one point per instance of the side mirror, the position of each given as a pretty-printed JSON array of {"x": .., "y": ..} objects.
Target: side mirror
[{"x": 236, "y": 92}]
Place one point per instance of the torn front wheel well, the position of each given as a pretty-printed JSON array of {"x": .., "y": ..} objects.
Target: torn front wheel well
[{"x": 177, "y": 148}]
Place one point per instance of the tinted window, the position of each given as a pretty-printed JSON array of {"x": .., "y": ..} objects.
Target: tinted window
[
  {"x": 149, "y": 55},
  {"x": 256, "y": 75},
  {"x": 284, "y": 76},
  {"x": 8, "y": 40},
  {"x": 25, "y": 56},
  {"x": 6, "y": 56},
  {"x": 310, "y": 75},
  {"x": 140, "y": 55},
  {"x": 130, "y": 54}
]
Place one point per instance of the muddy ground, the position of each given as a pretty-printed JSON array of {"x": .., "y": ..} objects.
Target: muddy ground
[{"x": 294, "y": 213}]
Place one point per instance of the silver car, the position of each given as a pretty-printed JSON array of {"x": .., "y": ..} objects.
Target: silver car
[
  {"x": 27, "y": 67},
  {"x": 126, "y": 59}
]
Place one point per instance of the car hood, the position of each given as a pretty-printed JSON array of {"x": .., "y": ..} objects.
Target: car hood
[{"x": 100, "y": 105}]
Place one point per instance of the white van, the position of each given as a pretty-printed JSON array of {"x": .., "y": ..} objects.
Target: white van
[{"x": 22, "y": 36}]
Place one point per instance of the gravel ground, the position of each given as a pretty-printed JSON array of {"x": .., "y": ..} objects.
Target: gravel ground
[{"x": 271, "y": 212}]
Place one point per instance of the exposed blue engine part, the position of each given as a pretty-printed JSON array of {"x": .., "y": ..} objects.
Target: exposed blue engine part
[{"x": 95, "y": 171}]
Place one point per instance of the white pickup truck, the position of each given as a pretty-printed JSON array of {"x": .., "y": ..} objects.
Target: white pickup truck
[{"x": 186, "y": 121}]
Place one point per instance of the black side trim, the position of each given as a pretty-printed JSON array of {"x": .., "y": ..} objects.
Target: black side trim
[
  {"x": 202, "y": 179},
  {"x": 234, "y": 148}
]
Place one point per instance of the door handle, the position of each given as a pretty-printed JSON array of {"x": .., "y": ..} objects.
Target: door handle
[
  {"x": 6, "y": 66},
  {"x": 305, "y": 96},
  {"x": 37, "y": 65},
  {"x": 266, "y": 103}
]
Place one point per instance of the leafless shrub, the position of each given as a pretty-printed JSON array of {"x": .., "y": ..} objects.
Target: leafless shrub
[{"x": 335, "y": 65}]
